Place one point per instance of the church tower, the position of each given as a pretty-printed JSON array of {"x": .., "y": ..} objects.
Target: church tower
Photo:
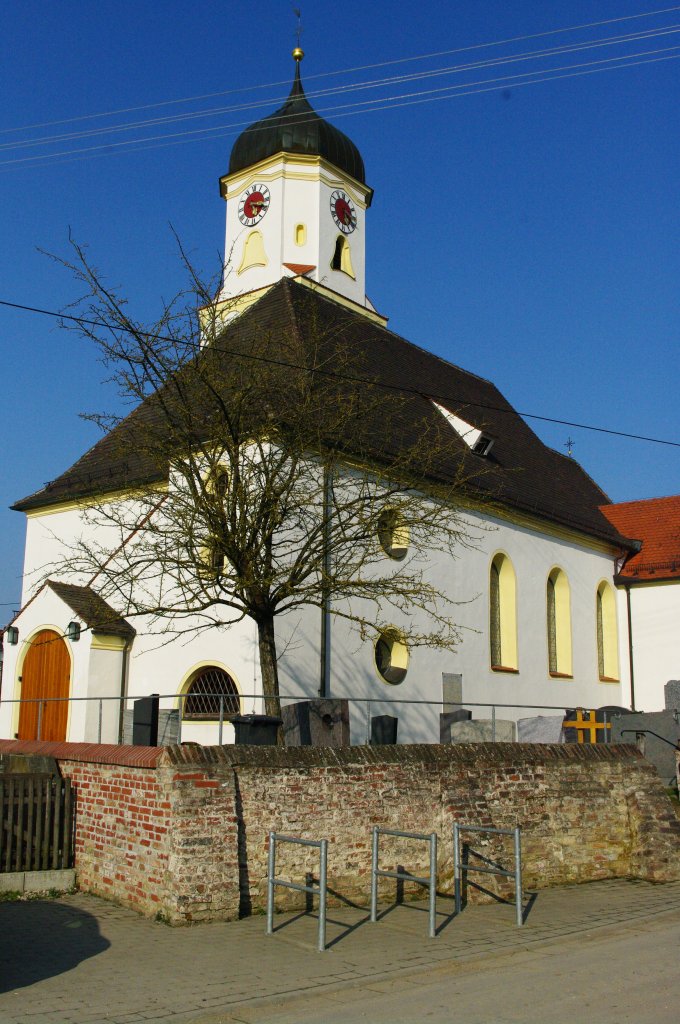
[{"x": 296, "y": 204}]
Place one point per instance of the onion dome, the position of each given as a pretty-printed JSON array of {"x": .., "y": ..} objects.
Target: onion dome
[{"x": 296, "y": 128}]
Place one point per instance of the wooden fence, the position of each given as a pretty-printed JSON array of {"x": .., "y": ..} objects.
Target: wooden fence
[{"x": 36, "y": 822}]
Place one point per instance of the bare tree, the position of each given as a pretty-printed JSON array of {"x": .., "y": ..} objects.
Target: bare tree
[{"x": 265, "y": 467}]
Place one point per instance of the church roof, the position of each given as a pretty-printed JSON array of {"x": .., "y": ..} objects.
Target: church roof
[
  {"x": 655, "y": 522},
  {"x": 519, "y": 472},
  {"x": 296, "y": 128}
]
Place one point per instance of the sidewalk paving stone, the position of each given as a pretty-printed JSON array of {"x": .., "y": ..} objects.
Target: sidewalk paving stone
[{"x": 90, "y": 962}]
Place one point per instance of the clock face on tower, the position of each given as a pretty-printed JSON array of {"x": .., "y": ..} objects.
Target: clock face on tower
[
  {"x": 342, "y": 209},
  {"x": 253, "y": 204}
]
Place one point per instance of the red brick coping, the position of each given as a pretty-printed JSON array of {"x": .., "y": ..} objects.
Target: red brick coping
[{"x": 92, "y": 753}]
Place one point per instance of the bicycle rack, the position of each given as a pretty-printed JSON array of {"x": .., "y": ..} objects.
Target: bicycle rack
[
  {"x": 319, "y": 890},
  {"x": 430, "y": 882},
  {"x": 459, "y": 867}
]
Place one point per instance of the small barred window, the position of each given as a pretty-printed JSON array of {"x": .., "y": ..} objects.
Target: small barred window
[{"x": 209, "y": 688}]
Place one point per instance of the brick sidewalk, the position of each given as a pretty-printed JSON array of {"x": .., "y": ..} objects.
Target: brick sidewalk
[{"x": 84, "y": 961}]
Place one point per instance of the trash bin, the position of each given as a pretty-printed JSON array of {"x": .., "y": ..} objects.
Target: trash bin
[{"x": 256, "y": 730}]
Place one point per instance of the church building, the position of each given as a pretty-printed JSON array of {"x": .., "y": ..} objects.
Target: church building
[{"x": 535, "y": 590}]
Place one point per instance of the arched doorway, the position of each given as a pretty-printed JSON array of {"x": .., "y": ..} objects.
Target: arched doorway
[{"x": 45, "y": 676}]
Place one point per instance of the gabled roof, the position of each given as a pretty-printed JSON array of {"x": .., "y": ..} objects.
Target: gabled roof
[
  {"x": 97, "y": 615},
  {"x": 521, "y": 473},
  {"x": 655, "y": 522}
]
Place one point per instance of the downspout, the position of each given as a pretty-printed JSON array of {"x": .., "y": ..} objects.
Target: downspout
[
  {"x": 325, "y": 640},
  {"x": 123, "y": 687},
  {"x": 630, "y": 648}
]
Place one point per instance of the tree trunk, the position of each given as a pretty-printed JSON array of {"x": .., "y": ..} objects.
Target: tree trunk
[{"x": 268, "y": 666}]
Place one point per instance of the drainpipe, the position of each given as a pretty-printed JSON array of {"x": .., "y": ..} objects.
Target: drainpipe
[
  {"x": 325, "y": 640},
  {"x": 630, "y": 648},
  {"x": 123, "y": 687}
]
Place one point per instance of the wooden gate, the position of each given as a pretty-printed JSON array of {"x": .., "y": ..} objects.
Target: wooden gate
[
  {"x": 45, "y": 676},
  {"x": 36, "y": 822}
]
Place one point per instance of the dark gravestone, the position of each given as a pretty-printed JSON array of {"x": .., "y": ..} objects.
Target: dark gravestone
[
  {"x": 316, "y": 723},
  {"x": 590, "y": 726},
  {"x": 660, "y": 748},
  {"x": 256, "y": 730},
  {"x": 145, "y": 722},
  {"x": 383, "y": 730},
  {"x": 449, "y": 718}
]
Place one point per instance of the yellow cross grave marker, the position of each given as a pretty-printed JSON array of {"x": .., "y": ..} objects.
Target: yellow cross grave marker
[{"x": 586, "y": 725}]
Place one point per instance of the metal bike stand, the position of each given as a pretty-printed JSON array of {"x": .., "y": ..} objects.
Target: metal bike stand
[
  {"x": 430, "y": 882},
  {"x": 459, "y": 867},
  {"x": 319, "y": 890}
]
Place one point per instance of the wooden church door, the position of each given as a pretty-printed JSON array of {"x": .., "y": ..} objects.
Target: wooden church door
[{"x": 46, "y": 673}]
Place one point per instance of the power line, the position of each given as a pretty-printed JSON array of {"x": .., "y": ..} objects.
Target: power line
[
  {"x": 352, "y": 70},
  {"x": 341, "y": 376},
  {"x": 563, "y": 50},
  {"x": 373, "y": 105}
]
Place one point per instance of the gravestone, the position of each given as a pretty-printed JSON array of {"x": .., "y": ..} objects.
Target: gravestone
[
  {"x": 660, "y": 753},
  {"x": 672, "y": 695},
  {"x": 168, "y": 727},
  {"x": 481, "y": 731},
  {"x": 145, "y": 721},
  {"x": 449, "y": 718},
  {"x": 384, "y": 729},
  {"x": 316, "y": 723},
  {"x": 540, "y": 729},
  {"x": 452, "y": 691},
  {"x": 587, "y": 725}
]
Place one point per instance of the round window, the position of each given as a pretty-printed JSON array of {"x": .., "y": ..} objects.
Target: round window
[
  {"x": 393, "y": 534},
  {"x": 391, "y": 656}
]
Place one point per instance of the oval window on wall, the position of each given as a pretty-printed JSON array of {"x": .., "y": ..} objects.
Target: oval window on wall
[
  {"x": 391, "y": 656},
  {"x": 393, "y": 534}
]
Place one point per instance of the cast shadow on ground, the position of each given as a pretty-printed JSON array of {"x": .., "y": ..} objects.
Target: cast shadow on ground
[{"x": 43, "y": 938}]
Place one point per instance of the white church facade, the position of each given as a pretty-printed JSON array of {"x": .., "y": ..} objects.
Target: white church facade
[{"x": 535, "y": 595}]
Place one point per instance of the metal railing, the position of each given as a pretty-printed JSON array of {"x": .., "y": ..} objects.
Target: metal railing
[
  {"x": 174, "y": 702},
  {"x": 405, "y": 876},
  {"x": 459, "y": 867},
  {"x": 320, "y": 890}
]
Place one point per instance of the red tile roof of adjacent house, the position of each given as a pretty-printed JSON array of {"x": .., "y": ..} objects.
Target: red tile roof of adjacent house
[{"x": 655, "y": 522}]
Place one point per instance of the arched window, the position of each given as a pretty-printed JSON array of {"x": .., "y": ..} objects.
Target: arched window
[
  {"x": 342, "y": 258},
  {"x": 607, "y": 634},
  {"x": 503, "y": 614},
  {"x": 391, "y": 656},
  {"x": 203, "y": 694},
  {"x": 558, "y": 624}
]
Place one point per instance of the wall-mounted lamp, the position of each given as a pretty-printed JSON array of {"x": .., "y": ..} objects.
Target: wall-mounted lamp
[
  {"x": 12, "y": 635},
  {"x": 73, "y": 631}
]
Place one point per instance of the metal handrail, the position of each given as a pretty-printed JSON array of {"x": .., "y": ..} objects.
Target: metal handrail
[
  {"x": 650, "y": 732},
  {"x": 459, "y": 867},
  {"x": 430, "y": 882},
  {"x": 321, "y": 890}
]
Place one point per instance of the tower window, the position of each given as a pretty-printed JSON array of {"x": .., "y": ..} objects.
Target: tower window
[
  {"x": 342, "y": 259},
  {"x": 300, "y": 234}
]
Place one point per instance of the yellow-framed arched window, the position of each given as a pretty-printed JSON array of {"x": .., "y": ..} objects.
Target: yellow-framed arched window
[
  {"x": 503, "y": 614},
  {"x": 607, "y": 634},
  {"x": 558, "y": 608}
]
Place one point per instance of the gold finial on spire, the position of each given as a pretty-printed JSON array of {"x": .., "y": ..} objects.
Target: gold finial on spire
[{"x": 298, "y": 53}]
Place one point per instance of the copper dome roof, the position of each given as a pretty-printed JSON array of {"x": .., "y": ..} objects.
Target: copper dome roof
[{"x": 296, "y": 128}]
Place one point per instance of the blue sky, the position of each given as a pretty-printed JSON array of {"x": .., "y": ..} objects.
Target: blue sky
[{"x": 526, "y": 230}]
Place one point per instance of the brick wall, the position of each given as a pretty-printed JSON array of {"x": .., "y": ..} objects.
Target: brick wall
[{"x": 184, "y": 831}]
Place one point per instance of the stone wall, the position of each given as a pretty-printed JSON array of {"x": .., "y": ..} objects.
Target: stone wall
[{"x": 183, "y": 831}]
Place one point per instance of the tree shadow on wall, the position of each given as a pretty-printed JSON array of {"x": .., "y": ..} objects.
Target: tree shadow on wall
[
  {"x": 245, "y": 903},
  {"x": 43, "y": 938}
]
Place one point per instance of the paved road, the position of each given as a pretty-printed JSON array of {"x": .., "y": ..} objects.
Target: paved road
[{"x": 600, "y": 953}]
